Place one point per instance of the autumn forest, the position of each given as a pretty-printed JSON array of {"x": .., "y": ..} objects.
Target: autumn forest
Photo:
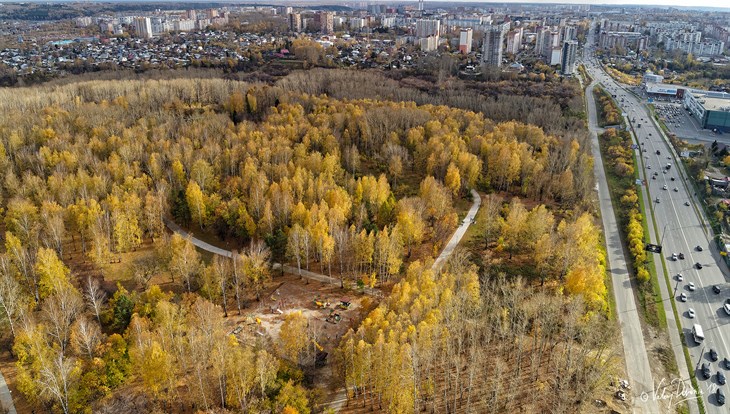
[{"x": 105, "y": 309}]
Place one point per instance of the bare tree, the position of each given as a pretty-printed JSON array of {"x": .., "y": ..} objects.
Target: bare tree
[
  {"x": 57, "y": 378},
  {"x": 60, "y": 310},
  {"x": 85, "y": 336},
  {"x": 11, "y": 295},
  {"x": 95, "y": 296}
]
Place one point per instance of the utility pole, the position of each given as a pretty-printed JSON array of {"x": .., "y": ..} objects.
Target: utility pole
[{"x": 661, "y": 241}]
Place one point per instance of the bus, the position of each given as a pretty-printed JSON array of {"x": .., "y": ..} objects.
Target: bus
[{"x": 697, "y": 333}]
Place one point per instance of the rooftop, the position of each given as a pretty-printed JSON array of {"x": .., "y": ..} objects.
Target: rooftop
[{"x": 713, "y": 101}]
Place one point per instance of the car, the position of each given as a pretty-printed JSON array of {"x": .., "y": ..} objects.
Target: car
[
  {"x": 676, "y": 190},
  {"x": 691, "y": 286},
  {"x": 721, "y": 378},
  {"x": 672, "y": 178},
  {"x": 726, "y": 306},
  {"x": 669, "y": 158},
  {"x": 686, "y": 203},
  {"x": 664, "y": 187},
  {"x": 705, "y": 370},
  {"x": 713, "y": 354},
  {"x": 648, "y": 167},
  {"x": 698, "y": 265},
  {"x": 726, "y": 363},
  {"x": 690, "y": 313},
  {"x": 680, "y": 277},
  {"x": 657, "y": 200},
  {"x": 674, "y": 256},
  {"x": 653, "y": 177},
  {"x": 716, "y": 289},
  {"x": 698, "y": 248},
  {"x": 720, "y": 397},
  {"x": 683, "y": 297},
  {"x": 650, "y": 135},
  {"x": 681, "y": 256}
]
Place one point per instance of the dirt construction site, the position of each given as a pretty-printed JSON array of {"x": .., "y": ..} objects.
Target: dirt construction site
[{"x": 330, "y": 310}]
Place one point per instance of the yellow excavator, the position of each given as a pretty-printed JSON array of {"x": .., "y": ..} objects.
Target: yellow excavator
[{"x": 319, "y": 347}]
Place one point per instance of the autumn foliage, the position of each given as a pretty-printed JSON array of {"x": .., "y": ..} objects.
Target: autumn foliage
[{"x": 91, "y": 171}]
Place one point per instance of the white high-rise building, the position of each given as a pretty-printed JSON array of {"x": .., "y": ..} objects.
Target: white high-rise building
[
  {"x": 295, "y": 22},
  {"x": 426, "y": 28},
  {"x": 143, "y": 27},
  {"x": 567, "y": 60},
  {"x": 514, "y": 40},
  {"x": 465, "y": 41},
  {"x": 492, "y": 47}
]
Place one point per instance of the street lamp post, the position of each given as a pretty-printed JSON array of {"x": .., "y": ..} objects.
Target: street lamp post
[{"x": 661, "y": 241}]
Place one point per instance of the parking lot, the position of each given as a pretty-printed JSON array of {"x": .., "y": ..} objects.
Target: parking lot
[{"x": 682, "y": 124}]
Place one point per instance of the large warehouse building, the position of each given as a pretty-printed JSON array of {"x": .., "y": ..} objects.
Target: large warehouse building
[{"x": 712, "y": 109}]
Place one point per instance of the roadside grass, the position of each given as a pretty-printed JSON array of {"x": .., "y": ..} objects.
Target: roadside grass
[{"x": 648, "y": 294}]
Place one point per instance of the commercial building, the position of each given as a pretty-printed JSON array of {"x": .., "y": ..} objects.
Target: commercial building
[
  {"x": 295, "y": 22},
  {"x": 661, "y": 89},
  {"x": 567, "y": 61},
  {"x": 465, "y": 41},
  {"x": 143, "y": 27},
  {"x": 492, "y": 47},
  {"x": 651, "y": 77},
  {"x": 711, "y": 109}
]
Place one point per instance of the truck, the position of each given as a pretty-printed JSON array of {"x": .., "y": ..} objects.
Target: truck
[{"x": 697, "y": 333}]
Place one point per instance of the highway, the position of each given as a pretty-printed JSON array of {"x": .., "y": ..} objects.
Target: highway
[{"x": 681, "y": 231}]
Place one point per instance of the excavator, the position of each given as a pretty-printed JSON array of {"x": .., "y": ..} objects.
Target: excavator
[{"x": 321, "y": 356}]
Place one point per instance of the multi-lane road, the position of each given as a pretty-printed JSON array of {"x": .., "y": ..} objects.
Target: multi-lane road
[{"x": 681, "y": 231}]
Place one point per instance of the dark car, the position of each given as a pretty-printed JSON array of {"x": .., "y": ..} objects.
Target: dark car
[
  {"x": 698, "y": 265},
  {"x": 672, "y": 178},
  {"x": 698, "y": 248},
  {"x": 705, "y": 370},
  {"x": 720, "y": 397},
  {"x": 681, "y": 256},
  {"x": 713, "y": 354},
  {"x": 716, "y": 289},
  {"x": 726, "y": 363},
  {"x": 720, "y": 378}
]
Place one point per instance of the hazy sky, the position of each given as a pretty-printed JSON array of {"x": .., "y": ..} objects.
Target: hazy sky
[{"x": 685, "y": 3}]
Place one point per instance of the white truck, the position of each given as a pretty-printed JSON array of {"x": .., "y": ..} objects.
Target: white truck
[{"x": 697, "y": 332}]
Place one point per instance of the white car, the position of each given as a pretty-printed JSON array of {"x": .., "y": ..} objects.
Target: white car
[
  {"x": 683, "y": 297},
  {"x": 674, "y": 256},
  {"x": 680, "y": 277},
  {"x": 691, "y": 313},
  {"x": 691, "y": 286},
  {"x": 665, "y": 187}
]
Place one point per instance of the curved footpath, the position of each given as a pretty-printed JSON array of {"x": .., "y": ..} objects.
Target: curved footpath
[{"x": 340, "y": 398}]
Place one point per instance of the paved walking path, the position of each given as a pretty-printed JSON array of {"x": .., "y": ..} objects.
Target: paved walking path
[
  {"x": 459, "y": 233},
  {"x": 6, "y": 400},
  {"x": 637, "y": 359}
]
